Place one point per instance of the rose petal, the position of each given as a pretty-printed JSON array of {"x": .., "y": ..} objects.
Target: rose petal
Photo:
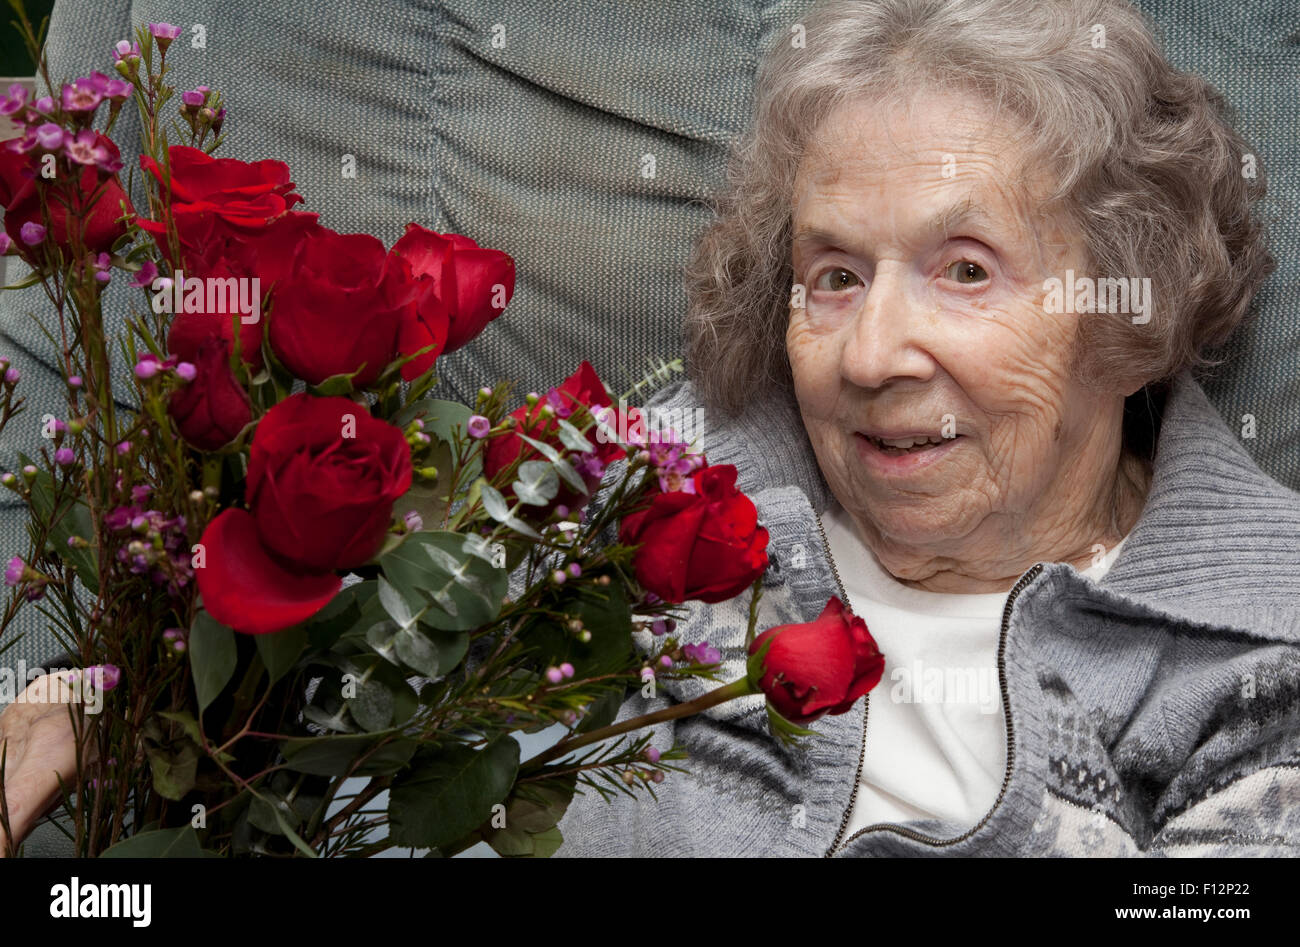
[{"x": 243, "y": 587}]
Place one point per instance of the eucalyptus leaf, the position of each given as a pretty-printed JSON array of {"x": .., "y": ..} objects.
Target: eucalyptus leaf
[
  {"x": 428, "y": 652},
  {"x": 537, "y": 484},
  {"x": 494, "y": 503},
  {"x": 561, "y": 465},
  {"x": 462, "y": 590},
  {"x": 499, "y": 510},
  {"x": 213, "y": 657},
  {"x": 263, "y": 815},
  {"x": 398, "y": 609},
  {"x": 574, "y": 439}
]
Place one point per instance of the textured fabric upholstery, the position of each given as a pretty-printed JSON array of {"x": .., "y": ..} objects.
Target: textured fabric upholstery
[{"x": 539, "y": 147}]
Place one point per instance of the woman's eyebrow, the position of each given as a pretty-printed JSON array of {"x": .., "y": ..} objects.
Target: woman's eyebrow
[{"x": 942, "y": 223}]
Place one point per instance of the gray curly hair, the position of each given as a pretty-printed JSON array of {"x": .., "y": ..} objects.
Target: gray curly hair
[{"x": 1146, "y": 160}]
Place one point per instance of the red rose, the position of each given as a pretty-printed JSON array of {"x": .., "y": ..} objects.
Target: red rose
[
  {"x": 267, "y": 255},
  {"x": 578, "y": 395},
  {"x": 19, "y": 176},
  {"x": 219, "y": 194},
  {"x": 819, "y": 667},
  {"x": 463, "y": 279},
  {"x": 339, "y": 311},
  {"x": 322, "y": 479},
  {"x": 705, "y": 545},
  {"x": 213, "y": 408}
]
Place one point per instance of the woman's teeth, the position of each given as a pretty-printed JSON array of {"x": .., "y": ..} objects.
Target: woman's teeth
[{"x": 906, "y": 445}]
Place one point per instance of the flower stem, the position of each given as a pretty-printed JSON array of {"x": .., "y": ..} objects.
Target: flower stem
[{"x": 719, "y": 695}]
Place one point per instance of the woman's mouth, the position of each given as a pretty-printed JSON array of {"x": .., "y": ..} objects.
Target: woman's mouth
[
  {"x": 899, "y": 456},
  {"x": 904, "y": 445}
]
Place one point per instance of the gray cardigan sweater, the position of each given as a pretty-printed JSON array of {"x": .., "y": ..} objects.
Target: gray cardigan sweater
[{"x": 1156, "y": 712}]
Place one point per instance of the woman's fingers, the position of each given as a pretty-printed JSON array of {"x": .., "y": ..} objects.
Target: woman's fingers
[{"x": 38, "y": 737}]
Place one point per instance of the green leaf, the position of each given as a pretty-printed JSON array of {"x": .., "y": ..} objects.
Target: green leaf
[
  {"x": 213, "y": 657},
  {"x": 181, "y": 842},
  {"x": 462, "y": 591},
  {"x": 280, "y": 650},
  {"x": 499, "y": 510},
  {"x": 173, "y": 770},
  {"x": 537, "y": 484},
  {"x": 334, "y": 385},
  {"x": 71, "y": 519},
  {"x": 574, "y": 439},
  {"x": 333, "y": 755},
  {"x": 340, "y": 615},
  {"x": 395, "y": 605},
  {"x": 603, "y": 610},
  {"x": 450, "y": 792},
  {"x": 494, "y": 503},
  {"x": 538, "y": 806},
  {"x": 546, "y": 843},
  {"x": 31, "y": 279},
  {"x": 187, "y": 722},
  {"x": 430, "y": 499},
  {"x": 383, "y": 698},
  {"x": 263, "y": 815},
  {"x": 532, "y": 812},
  {"x": 440, "y": 418},
  {"x": 561, "y": 465},
  {"x": 602, "y": 710},
  {"x": 428, "y": 652}
]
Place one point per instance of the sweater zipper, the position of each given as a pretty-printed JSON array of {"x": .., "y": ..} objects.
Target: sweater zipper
[{"x": 1023, "y": 581}]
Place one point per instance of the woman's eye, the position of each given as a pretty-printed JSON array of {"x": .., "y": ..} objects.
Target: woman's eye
[
  {"x": 839, "y": 278},
  {"x": 965, "y": 271}
]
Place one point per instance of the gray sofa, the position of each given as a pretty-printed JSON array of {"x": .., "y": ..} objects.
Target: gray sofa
[{"x": 532, "y": 127}]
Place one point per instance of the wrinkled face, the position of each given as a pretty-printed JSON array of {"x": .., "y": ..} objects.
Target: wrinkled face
[{"x": 923, "y": 260}]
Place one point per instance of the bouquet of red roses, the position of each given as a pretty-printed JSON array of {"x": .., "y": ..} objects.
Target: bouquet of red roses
[{"x": 291, "y": 582}]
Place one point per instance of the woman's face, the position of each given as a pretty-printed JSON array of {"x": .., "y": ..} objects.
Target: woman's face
[{"x": 923, "y": 263}]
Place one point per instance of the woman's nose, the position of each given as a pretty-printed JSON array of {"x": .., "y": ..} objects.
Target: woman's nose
[{"x": 886, "y": 340}]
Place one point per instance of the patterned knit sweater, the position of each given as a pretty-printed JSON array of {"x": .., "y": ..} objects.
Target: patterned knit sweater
[{"x": 1153, "y": 713}]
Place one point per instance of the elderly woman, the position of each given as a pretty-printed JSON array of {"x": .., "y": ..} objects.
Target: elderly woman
[{"x": 1084, "y": 589}]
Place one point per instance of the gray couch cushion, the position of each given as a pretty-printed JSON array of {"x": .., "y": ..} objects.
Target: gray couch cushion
[{"x": 538, "y": 146}]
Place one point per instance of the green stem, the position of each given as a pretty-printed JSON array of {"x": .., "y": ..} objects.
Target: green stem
[{"x": 719, "y": 695}]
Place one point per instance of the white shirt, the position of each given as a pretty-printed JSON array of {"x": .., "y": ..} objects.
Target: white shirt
[{"x": 936, "y": 739}]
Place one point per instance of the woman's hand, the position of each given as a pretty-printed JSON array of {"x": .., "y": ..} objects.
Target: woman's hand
[{"x": 37, "y": 738}]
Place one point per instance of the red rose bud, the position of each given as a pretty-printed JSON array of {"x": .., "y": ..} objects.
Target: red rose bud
[
  {"x": 211, "y": 410},
  {"x": 704, "y": 545},
  {"x": 582, "y": 389},
  {"x": 322, "y": 479},
  {"x": 463, "y": 277},
  {"x": 68, "y": 207},
  {"x": 337, "y": 314},
  {"x": 819, "y": 667}
]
